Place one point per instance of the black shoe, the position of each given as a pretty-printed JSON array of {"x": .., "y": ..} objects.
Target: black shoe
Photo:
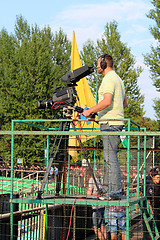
[{"x": 102, "y": 192}]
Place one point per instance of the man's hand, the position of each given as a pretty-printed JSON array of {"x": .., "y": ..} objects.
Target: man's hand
[
  {"x": 86, "y": 113},
  {"x": 100, "y": 106}
]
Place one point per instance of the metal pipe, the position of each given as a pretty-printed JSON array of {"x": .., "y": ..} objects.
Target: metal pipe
[
  {"x": 77, "y": 133},
  {"x": 19, "y": 213}
]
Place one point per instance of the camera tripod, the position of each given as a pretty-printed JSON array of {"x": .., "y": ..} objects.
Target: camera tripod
[{"x": 59, "y": 151}]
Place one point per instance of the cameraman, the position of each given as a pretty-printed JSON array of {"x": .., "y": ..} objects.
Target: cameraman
[
  {"x": 112, "y": 101},
  {"x": 153, "y": 194}
]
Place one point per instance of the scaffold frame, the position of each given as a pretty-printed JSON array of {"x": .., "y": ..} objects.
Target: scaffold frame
[{"x": 127, "y": 202}]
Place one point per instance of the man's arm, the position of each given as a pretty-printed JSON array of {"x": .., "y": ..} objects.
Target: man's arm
[
  {"x": 100, "y": 106},
  {"x": 89, "y": 191},
  {"x": 149, "y": 202},
  {"x": 125, "y": 102}
]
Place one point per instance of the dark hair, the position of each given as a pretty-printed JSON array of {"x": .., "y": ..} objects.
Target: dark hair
[
  {"x": 108, "y": 59},
  {"x": 88, "y": 172},
  {"x": 155, "y": 171}
]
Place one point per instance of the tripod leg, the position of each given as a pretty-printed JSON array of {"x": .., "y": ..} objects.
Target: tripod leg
[
  {"x": 60, "y": 159},
  {"x": 53, "y": 156},
  {"x": 49, "y": 167}
]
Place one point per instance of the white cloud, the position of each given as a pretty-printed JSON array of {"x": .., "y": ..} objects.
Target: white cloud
[
  {"x": 139, "y": 42},
  {"x": 127, "y": 10},
  {"x": 88, "y": 20},
  {"x": 138, "y": 28}
]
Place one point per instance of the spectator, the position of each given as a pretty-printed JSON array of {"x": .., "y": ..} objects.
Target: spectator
[
  {"x": 97, "y": 211},
  {"x": 153, "y": 194},
  {"x": 3, "y": 170},
  {"x": 0, "y": 170},
  {"x": 55, "y": 173},
  {"x": 51, "y": 174}
]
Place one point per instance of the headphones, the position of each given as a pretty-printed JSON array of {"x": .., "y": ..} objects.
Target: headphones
[{"x": 103, "y": 63}]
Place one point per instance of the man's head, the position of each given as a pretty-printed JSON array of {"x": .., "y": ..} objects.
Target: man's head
[
  {"x": 88, "y": 173},
  {"x": 155, "y": 174},
  {"x": 105, "y": 61}
]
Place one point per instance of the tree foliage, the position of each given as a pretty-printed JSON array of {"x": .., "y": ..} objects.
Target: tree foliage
[
  {"x": 152, "y": 59},
  {"x": 32, "y": 61}
]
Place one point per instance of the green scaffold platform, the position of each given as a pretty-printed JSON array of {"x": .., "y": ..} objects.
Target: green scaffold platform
[{"x": 37, "y": 205}]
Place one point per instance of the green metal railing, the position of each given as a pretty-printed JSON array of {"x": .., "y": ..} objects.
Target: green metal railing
[{"x": 132, "y": 130}]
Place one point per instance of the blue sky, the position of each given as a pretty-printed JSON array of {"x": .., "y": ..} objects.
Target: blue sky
[{"x": 88, "y": 18}]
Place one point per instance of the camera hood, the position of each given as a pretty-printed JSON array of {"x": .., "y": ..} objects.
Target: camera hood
[{"x": 74, "y": 76}]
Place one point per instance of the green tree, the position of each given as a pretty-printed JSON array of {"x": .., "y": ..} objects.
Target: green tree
[
  {"x": 152, "y": 59},
  {"x": 124, "y": 65},
  {"x": 32, "y": 62}
]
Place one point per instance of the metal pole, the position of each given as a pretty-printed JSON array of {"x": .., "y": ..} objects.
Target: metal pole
[
  {"x": 144, "y": 189},
  {"x": 69, "y": 159},
  {"x": 94, "y": 163},
  {"x": 138, "y": 166},
  {"x": 11, "y": 194},
  {"x": 45, "y": 152},
  {"x": 47, "y": 160},
  {"x": 153, "y": 152},
  {"x": 128, "y": 180}
]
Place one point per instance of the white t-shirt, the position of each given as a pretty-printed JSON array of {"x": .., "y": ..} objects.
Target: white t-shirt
[{"x": 113, "y": 84}]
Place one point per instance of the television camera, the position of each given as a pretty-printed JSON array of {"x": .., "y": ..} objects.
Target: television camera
[{"x": 67, "y": 96}]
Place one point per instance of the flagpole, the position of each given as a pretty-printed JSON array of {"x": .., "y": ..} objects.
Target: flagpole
[
  {"x": 94, "y": 160},
  {"x": 97, "y": 87}
]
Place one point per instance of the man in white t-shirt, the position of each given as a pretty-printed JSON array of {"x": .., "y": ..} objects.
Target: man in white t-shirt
[{"x": 110, "y": 108}]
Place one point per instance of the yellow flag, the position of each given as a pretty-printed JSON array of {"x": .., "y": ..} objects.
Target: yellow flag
[{"x": 86, "y": 99}]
